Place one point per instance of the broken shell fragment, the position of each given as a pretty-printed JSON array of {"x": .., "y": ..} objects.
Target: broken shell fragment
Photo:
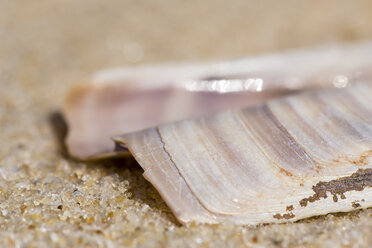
[
  {"x": 288, "y": 159},
  {"x": 126, "y": 100}
]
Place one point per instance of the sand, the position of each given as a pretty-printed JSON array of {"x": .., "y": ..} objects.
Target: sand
[{"x": 50, "y": 200}]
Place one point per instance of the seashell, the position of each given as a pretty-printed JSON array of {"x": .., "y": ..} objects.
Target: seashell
[
  {"x": 290, "y": 158},
  {"x": 126, "y": 100}
]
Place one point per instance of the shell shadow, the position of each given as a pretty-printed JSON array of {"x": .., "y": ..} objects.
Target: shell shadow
[
  {"x": 59, "y": 127},
  {"x": 140, "y": 189}
]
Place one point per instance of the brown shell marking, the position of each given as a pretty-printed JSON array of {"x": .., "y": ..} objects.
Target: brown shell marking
[
  {"x": 286, "y": 216},
  {"x": 358, "y": 181},
  {"x": 355, "y": 204}
]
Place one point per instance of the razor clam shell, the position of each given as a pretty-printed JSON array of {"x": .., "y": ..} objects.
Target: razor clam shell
[
  {"x": 285, "y": 160},
  {"x": 123, "y": 100}
]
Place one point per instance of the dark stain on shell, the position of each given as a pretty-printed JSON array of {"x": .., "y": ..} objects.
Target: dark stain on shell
[
  {"x": 284, "y": 216},
  {"x": 358, "y": 181},
  {"x": 362, "y": 160},
  {"x": 286, "y": 172},
  {"x": 289, "y": 208},
  {"x": 355, "y": 204}
]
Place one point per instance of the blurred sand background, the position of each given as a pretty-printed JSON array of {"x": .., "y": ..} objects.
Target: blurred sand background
[{"x": 50, "y": 200}]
